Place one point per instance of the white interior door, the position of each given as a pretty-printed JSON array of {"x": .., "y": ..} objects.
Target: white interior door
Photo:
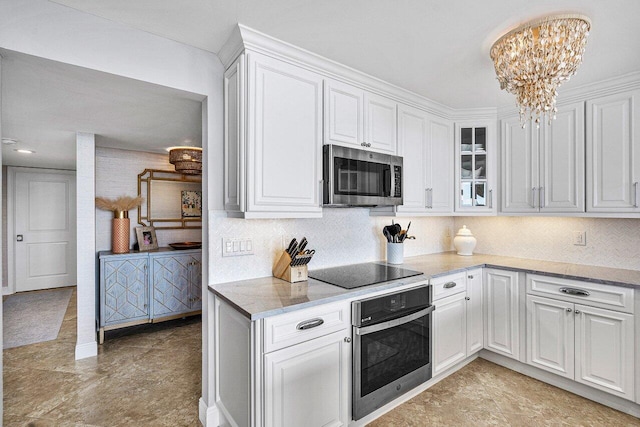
[{"x": 44, "y": 219}]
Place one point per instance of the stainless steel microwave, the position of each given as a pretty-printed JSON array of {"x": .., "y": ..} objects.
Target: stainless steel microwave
[{"x": 355, "y": 177}]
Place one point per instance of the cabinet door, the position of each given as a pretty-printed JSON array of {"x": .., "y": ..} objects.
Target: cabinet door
[
  {"x": 124, "y": 290},
  {"x": 195, "y": 292},
  {"x": 519, "y": 166},
  {"x": 613, "y": 153},
  {"x": 550, "y": 341},
  {"x": 412, "y": 146},
  {"x": 475, "y": 314},
  {"x": 561, "y": 184},
  {"x": 284, "y": 149},
  {"x": 344, "y": 114},
  {"x": 308, "y": 384},
  {"x": 170, "y": 284},
  {"x": 475, "y": 167},
  {"x": 502, "y": 325},
  {"x": 605, "y": 350},
  {"x": 440, "y": 165},
  {"x": 380, "y": 123},
  {"x": 449, "y": 332}
]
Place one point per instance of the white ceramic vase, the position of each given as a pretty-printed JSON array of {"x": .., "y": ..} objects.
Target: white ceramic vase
[{"x": 464, "y": 242}]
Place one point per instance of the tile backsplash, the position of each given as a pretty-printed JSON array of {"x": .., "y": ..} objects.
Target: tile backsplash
[
  {"x": 611, "y": 242},
  {"x": 341, "y": 236}
]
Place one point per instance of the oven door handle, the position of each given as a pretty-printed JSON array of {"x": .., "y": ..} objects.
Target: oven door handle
[{"x": 394, "y": 322}]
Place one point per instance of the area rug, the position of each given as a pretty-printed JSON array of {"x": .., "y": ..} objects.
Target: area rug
[{"x": 32, "y": 317}]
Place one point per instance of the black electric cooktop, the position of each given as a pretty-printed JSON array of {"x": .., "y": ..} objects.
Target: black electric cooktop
[{"x": 357, "y": 275}]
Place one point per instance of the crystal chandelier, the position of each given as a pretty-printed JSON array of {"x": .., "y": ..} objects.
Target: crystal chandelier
[{"x": 533, "y": 60}]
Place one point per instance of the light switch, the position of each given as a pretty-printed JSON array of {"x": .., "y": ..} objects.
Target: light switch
[{"x": 236, "y": 247}]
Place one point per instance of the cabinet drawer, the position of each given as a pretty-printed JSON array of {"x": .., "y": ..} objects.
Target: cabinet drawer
[
  {"x": 300, "y": 326},
  {"x": 594, "y": 294},
  {"x": 449, "y": 285}
]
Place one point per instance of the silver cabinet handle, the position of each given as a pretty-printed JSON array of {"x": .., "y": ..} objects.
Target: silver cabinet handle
[
  {"x": 470, "y": 276},
  {"x": 467, "y": 298},
  {"x": 575, "y": 291},
  {"x": 449, "y": 285},
  {"x": 321, "y": 192},
  {"x": 308, "y": 324},
  {"x": 347, "y": 339},
  {"x": 490, "y": 199},
  {"x": 431, "y": 198},
  {"x": 541, "y": 197},
  {"x": 577, "y": 311},
  {"x": 426, "y": 198},
  {"x": 635, "y": 193},
  {"x": 569, "y": 310},
  {"x": 533, "y": 197}
]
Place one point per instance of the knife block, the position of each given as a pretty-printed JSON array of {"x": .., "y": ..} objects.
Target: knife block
[{"x": 283, "y": 270}]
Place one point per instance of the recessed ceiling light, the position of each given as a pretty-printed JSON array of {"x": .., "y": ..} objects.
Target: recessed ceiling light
[
  {"x": 9, "y": 141},
  {"x": 185, "y": 147},
  {"x": 25, "y": 151}
]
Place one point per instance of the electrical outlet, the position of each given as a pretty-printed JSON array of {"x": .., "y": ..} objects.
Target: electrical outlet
[{"x": 580, "y": 238}]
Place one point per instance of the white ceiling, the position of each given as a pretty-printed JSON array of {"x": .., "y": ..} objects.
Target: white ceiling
[
  {"x": 435, "y": 48},
  {"x": 44, "y": 104}
]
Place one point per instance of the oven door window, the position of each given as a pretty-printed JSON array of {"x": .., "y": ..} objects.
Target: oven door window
[
  {"x": 360, "y": 178},
  {"x": 392, "y": 353}
]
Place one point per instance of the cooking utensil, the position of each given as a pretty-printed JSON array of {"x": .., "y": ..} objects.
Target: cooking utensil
[
  {"x": 387, "y": 233},
  {"x": 402, "y": 235}
]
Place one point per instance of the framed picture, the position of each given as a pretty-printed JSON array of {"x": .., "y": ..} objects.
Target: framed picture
[
  {"x": 191, "y": 204},
  {"x": 146, "y": 238}
]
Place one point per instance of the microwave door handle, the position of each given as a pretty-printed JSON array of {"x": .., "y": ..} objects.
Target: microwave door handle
[
  {"x": 387, "y": 182},
  {"x": 394, "y": 322}
]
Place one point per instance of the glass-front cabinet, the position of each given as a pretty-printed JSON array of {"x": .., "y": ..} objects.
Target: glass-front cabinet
[{"x": 475, "y": 167}]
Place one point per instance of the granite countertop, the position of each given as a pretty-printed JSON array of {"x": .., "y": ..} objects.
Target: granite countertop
[{"x": 269, "y": 296}]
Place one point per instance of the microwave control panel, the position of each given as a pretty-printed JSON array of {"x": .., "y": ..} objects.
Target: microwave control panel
[{"x": 397, "y": 172}]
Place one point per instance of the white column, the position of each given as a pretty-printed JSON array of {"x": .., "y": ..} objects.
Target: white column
[{"x": 86, "y": 346}]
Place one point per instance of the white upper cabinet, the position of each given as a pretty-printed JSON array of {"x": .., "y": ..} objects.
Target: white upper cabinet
[
  {"x": 357, "y": 118},
  {"x": 543, "y": 168},
  {"x": 426, "y": 144},
  {"x": 613, "y": 153},
  {"x": 273, "y": 139},
  {"x": 475, "y": 168}
]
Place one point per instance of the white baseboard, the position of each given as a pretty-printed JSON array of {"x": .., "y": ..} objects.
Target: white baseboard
[
  {"x": 6, "y": 290},
  {"x": 89, "y": 349},
  {"x": 209, "y": 415}
]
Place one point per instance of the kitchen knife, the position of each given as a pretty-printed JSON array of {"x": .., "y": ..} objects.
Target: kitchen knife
[
  {"x": 303, "y": 244},
  {"x": 291, "y": 246}
]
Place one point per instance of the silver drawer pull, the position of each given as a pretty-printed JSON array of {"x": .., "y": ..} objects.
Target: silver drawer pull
[
  {"x": 575, "y": 291},
  {"x": 450, "y": 285},
  {"x": 308, "y": 324}
]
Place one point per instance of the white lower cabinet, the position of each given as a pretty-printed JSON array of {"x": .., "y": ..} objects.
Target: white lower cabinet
[
  {"x": 502, "y": 322},
  {"x": 592, "y": 346},
  {"x": 457, "y": 319},
  {"x": 308, "y": 384}
]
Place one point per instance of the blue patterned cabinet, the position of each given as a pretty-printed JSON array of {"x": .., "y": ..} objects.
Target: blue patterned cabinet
[
  {"x": 176, "y": 283},
  {"x": 143, "y": 287}
]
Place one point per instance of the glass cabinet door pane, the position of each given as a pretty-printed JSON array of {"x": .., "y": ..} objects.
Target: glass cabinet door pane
[
  {"x": 466, "y": 167},
  {"x": 466, "y": 139},
  {"x": 480, "y": 171},
  {"x": 481, "y": 139},
  {"x": 466, "y": 198},
  {"x": 480, "y": 194}
]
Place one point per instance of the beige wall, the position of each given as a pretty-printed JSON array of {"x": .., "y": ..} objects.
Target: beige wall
[
  {"x": 610, "y": 242},
  {"x": 116, "y": 175}
]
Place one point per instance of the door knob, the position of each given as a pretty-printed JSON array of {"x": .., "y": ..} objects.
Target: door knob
[{"x": 19, "y": 238}]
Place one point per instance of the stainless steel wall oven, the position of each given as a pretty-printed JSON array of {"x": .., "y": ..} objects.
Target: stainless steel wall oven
[{"x": 391, "y": 347}]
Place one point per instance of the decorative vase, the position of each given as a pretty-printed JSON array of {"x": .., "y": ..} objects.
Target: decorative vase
[
  {"x": 120, "y": 232},
  {"x": 395, "y": 253},
  {"x": 464, "y": 242}
]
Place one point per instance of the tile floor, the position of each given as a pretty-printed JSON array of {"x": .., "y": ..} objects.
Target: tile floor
[
  {"x": 150, "y": 376},
  {"x": 142, "y": 376},
  {"x": 485, "y": 394}
]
